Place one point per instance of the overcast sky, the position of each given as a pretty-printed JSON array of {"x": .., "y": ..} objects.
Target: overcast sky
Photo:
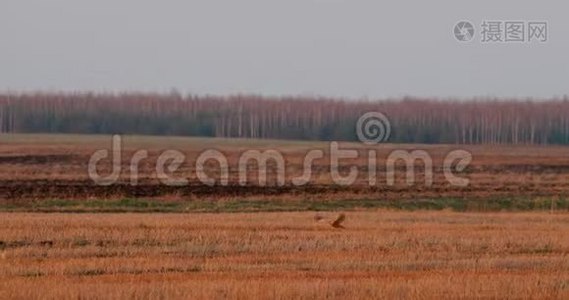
[{"x": 340, "y": 48}]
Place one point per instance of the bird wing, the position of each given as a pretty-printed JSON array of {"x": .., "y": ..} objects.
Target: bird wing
[{"x": 339, "y": 220}]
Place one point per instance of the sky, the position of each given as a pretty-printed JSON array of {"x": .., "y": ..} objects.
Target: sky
[{"x": 335, "y": 48}]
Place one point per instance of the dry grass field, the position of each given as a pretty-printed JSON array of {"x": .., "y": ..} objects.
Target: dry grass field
[
  {"x": 506, "y": 235},
  {"x": 380, "y": 254}
]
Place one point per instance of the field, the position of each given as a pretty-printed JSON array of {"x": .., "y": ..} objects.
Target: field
[
  {"x": 380, "y": 254},
  {"x": 49, "y": 173},
  {"x": 505, "y": 235}
]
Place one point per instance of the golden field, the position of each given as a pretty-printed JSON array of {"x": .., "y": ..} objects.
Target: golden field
[
  {"x": 506, "y": 235},
  {"x": 380, "y": 254}
]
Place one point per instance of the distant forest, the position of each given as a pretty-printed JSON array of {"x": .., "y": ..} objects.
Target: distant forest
[{"x": 483, "y": 121}]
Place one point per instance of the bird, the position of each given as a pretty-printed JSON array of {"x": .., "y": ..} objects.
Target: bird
[{"x": 337, "y": 223}]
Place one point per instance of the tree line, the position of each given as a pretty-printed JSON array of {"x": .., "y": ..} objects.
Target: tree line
[{"x": 482, "y": 121}]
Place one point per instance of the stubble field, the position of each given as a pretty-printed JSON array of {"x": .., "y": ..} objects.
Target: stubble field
[
  {"x": 506, "y": 235},
  {"x": 380, "y": 254}
]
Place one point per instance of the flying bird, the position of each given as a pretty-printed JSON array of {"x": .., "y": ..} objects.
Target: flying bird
[{"x": 337, "y": 223}]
